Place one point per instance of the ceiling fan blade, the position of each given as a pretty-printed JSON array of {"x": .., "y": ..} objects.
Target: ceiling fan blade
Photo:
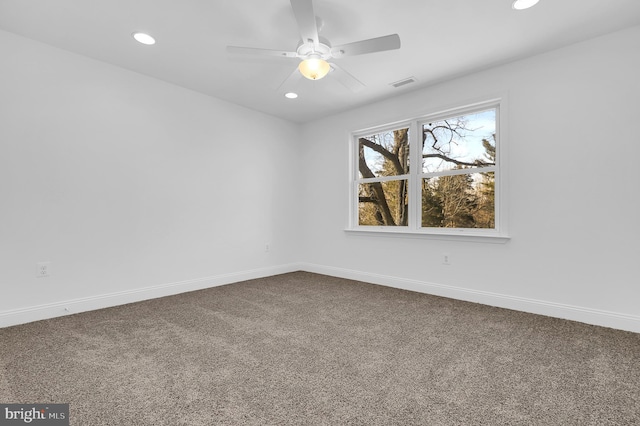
[
  {"x": 346, "y": 79},
  {"x": 290, "y": 82},
  {"x": 261, "y": 52},
  {"x": 306, "y": 19},
  {"x": 371, "y": 45}
]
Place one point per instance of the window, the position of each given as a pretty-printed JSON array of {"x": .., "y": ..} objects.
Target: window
[
  {"x": 383, "y": 166},
  {"x": 437, "y": 174}
]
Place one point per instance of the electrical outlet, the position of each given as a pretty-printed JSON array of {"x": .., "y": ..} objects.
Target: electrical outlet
[
  {"x": 446, "y": 259},
  {"x": 266, "y": 248},
  {"x": 43, "y": 269}
]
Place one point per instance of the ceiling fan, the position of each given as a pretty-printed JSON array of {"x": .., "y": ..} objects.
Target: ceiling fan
[{"x": 315, "y": 51}]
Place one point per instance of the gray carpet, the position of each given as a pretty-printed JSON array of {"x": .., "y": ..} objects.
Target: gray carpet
[{"x": 306, "y": 349}]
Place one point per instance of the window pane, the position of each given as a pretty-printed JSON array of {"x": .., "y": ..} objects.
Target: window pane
[
  {"x": 459, "y": 142},
  {"x": 384, "y": 154},
  {"x": 383, "y": 203},
  {"x": 459, "y": 201}
]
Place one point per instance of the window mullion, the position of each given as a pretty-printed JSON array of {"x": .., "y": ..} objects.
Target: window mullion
[
  {"x": 415, "y": 191},
  {"x": 456, "y": 172},
  {"x": 383, "y": 178}
]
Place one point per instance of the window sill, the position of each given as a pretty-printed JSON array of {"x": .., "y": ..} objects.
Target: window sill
[{"x": 466, "y": 236}]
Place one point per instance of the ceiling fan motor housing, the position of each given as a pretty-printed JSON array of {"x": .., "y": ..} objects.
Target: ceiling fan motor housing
[{"x": 310, "y": 50}]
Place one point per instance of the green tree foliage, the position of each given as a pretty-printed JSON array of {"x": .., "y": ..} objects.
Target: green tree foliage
[{"x": 484, "y": 215}]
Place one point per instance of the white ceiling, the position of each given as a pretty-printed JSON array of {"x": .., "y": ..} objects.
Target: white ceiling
[{"x": 440, "y": 39}]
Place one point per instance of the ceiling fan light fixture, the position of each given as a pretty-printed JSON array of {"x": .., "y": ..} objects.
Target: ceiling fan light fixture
[
  {"x": 523, "y": 4},
  {"x": 314, "y": 68}
]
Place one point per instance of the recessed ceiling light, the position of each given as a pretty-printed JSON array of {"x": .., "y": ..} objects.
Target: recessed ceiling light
[
  {"x": 291, "y": 95},
  {"x": 523, "y": 4},
  {"x": 144, "y": 38}
]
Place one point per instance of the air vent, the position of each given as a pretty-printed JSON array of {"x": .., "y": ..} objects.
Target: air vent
[{"x": 404, "y": 82}]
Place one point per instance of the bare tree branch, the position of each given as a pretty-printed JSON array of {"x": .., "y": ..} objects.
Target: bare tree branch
[
  {"x": 453, "y": 129},
  {"x": 458, "y": 162},
  {"x": 383, "y": 206},
  {"x": 367, "y": 200},
  {"x": 385, "y": 153}
]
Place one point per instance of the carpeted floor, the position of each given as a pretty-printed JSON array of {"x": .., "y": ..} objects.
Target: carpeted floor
[{"x": 306, "y": 349}]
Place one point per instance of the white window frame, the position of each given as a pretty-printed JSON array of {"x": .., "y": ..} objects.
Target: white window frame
[{"x": 415, "y": 176}]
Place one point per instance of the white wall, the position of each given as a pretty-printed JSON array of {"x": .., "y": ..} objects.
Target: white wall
[
  {"x": 136, "y": 188},
  {"x": 132, "y": 187},
  {"x": 573, "y": 190}
]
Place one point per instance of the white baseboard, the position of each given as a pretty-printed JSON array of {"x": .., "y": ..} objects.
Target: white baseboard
[
  {"x": 557, "y": 310},
  {"x": 68, "y": 307}
]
